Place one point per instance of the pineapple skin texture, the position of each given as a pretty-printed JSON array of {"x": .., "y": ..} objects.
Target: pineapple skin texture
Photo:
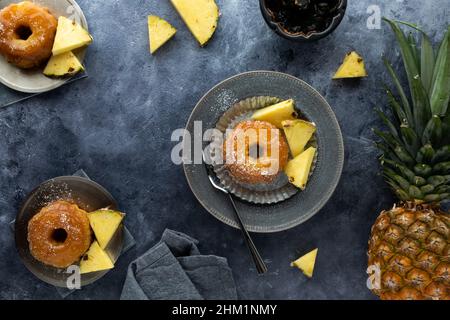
[{"x": 410, "y": 244}]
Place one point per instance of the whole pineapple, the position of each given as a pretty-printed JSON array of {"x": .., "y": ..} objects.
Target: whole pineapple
[{"x": 410, "y": 244}]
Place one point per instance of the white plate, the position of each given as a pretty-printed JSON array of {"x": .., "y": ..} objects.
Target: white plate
[{"x": 34, "y": 81}]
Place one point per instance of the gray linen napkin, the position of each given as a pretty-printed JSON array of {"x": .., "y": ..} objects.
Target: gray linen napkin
[{"x": 174, "y": 269}]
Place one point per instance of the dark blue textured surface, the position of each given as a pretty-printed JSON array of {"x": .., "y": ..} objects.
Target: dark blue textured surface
[{"x": 117, "y": 123}]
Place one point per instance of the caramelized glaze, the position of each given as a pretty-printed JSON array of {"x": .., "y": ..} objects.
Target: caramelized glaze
[
  {"x": 247, "y": 152},
  {"x": 27, "y": 33},
  {"x": 59, "y": 234}
]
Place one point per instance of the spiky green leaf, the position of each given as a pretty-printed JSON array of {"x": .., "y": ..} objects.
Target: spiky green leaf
[{"x": 440, "y": 93}]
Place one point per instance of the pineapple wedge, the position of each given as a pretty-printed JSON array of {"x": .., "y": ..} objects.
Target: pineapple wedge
[
  {"x": 105, "y": 224},
  {"x": 63, "y": 65},
  {"x": 160, "y": 31},
  {"x": 306, "y": 263},
  {"x": 95, "y": 259},
  {"x": 277, "y": 113},
  {"x": 200, "y": 16},
  {"x": 69, "y": 36},
  {"x": 352, "y": 67},
  {"x": 298, "y": 133},
  {"x": 298, "y": 169}
]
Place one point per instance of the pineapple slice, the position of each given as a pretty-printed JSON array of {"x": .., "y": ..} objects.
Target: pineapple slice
[
  {"x": 105, "y": 224},
  {"x": 277, "y": 113},
  {"x": 306, "y": 263},
  {"x": 95, "y": 259},
  {"x": 298, "y": 133},
  {"x": 298, "y": 169},
  {"x": 352, "y": 67},
  {"x": 69, "y": 36},
  {"x": 63, "y": 65},
  {"x": 200, "y": 16},
  {"x": 160, "y": 31}
]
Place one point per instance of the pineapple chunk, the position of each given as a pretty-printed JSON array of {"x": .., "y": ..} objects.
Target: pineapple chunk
[
  {"x": 306, "y": 263},
  {"x": 63, "y": 65},
  {"x": 105, "y": 224},
  {"x": 298, "y": 133},
  {"x": 69, "y": 36},
  {"x": 95, "y": 259},
  {"x": 160, "y": 31},
  {"x": 277, "y": 113},
  {"x": 352, "y": 67},
  {"x": 200, "y": 16},
  {"x": 298, "y": 169}
]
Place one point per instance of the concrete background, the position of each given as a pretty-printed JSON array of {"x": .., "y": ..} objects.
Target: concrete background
[{"x": 116, "y": 125}]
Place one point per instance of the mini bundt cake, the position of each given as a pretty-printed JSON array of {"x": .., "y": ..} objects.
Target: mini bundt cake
[
  {"x": 255, "y": 152},
  {"x": 59, "y": 234}
]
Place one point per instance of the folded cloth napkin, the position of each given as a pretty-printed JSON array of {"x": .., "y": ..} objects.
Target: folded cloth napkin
[{"x": 174, "y": 269}]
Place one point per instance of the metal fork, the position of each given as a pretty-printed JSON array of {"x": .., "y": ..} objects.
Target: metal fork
[{"x": 259, "y": 263}]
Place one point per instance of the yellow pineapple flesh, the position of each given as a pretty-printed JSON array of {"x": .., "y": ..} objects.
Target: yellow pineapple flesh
[
  {"x": 277, "y": 113},
  {"x": 95, "y": 259},
  {"x": 298, "y": 169},
  {"x": 105, "y": 223},
  {"x": 352, "y": 67},
  {"x": 160, "y": 31},
  {"x": 63, "y": 65},
  {"x": 69, "y": 36},
  {"x": 306, "y": 263},
  {"x": 298, "y": 133},
  {"x": 200, "y": 16}
]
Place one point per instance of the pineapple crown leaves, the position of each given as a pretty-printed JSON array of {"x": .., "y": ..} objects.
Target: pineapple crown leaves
[{"x": 416, "y": 147}]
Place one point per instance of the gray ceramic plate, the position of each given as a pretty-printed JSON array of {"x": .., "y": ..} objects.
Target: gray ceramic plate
[
  {"x": 89, "y": 196},
  {"x": 302, "y": 206},
  {"x": 33, "y": 81}
]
